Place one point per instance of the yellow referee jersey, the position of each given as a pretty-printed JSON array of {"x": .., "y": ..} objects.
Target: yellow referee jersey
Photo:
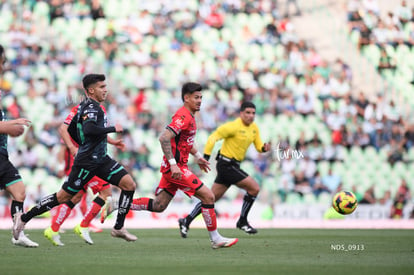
[{"x": 237, "y": 139}]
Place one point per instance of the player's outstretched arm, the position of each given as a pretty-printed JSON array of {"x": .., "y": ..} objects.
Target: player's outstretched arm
[{"x": 14, "y": 127}]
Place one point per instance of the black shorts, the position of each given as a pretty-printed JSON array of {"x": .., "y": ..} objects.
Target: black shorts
[
  {"x": 8, "y": 173},
  {"x": 110, "y": 171},
  {"x": 229, "y": 172}
]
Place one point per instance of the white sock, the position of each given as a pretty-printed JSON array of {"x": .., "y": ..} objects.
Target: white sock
[{"x": 215, "y": 235}]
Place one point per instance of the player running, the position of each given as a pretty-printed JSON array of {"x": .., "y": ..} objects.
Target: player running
[
  {"x": 238, "y": 135},
  {"x": 96, "y": 184},
  {"x": 177, "y": 142},
  {"x": 89, "y": 129}
]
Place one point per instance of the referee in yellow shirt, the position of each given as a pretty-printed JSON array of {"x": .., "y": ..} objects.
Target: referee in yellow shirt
[{"x": 237, "y": 135}]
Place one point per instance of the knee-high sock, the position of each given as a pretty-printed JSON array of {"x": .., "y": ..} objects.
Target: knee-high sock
[
  {"x": 125, "y": 200},
  {"x": 63, "y": 211},
  {"x": 83, "y": 206},
  {"x": 16, "y": 206},
  {"x": 43, "y": 206},
  {"x": 209, "y": 216},
  {"x": 194, "y": 213},
  {"x": 142, "y": 204},
  {"x": 93, "y": 210},
  {"x": 248, "y": 201}
]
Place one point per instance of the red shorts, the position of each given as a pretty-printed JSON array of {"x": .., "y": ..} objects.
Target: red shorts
[
  {"x": 96, "y": 184},
  {"x": 189, "y": 183}
]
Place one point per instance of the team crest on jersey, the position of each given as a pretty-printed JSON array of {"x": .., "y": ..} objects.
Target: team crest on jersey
[
  {"x": 77, "y": 182},
  {"x": 179, "y": 122}
]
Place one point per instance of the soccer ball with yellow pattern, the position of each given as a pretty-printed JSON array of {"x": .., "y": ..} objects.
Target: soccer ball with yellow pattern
[{"x": 344, "y": 202}]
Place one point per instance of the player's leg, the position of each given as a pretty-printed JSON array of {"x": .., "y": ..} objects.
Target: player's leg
[
  {"x": 206, "y": 197},
  {"x": 96, "y": 207},
  {"x": 218, "y": 191},
  {"x": 164, "y": 195},
  {"x": 18, "y": 192},
  {"x": 120, "y": 177},
  {"x": 252, "y": 189},
  {"x": 78, "y": 177},
  {"x": 103, "y": 188}
]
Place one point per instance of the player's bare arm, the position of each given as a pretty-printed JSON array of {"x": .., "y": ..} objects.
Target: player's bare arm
[
  {"x": 118, "y": 143},
  {"x": 165, "y": 141},
  {"x": 63, "y": 132}
]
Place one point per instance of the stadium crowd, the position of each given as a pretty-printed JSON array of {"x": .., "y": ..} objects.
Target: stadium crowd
[{"x": 238, "y": 50}]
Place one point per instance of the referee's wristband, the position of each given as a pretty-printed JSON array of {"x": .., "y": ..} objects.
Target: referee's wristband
[{"x": 172, "y": 162}]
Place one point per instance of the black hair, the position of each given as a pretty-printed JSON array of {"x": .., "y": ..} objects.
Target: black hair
[
  {"x": 90, "y": 79},
  {"x": 189, "y": 88},
  {"x": 247, "y": 104},
  {"x": 2, "y": 54}
]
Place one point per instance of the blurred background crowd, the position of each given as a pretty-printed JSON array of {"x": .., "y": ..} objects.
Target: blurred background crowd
[{"x": 238, "y": 50}]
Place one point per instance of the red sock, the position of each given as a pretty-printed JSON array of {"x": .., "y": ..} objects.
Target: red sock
[
  {"x": 83, "y": 204},
  {"x": 209, "y": 216},
  {"x": 63, "y": 212},
  {"x": 92, "y": 212},
  {"x": 141, "y": 204}
]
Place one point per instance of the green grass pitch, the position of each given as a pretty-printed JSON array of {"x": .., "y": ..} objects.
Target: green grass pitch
[{"x": 163, "y": 251}]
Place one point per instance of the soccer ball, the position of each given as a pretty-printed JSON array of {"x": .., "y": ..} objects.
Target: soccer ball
[{"x": 344, "y": 202}]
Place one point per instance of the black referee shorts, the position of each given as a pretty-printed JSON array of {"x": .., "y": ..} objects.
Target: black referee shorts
[{"x": 229, "y": 172}]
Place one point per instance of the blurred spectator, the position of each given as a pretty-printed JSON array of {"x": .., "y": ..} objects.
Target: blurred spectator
[
  {"x": 317, "y": 186},
  {"x": 369, "y": 196},
  {"x": 215, "y": 18},
  {"x": 331, "y": 181},
  {"x": 96, "y": 10}
]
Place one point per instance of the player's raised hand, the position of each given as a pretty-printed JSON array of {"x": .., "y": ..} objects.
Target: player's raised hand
[{"x": 267, "y": 146}]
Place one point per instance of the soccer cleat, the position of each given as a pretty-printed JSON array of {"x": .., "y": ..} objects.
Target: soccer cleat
[
  {"x": 23, "y": 240},
  {"x": 246, "y": 227},
  {"x": 183, "y": 227},
  {"x": 223, "y": 243},
  {"x": 18, "y": 225},
  {"x": 107, "y": 209},
  {"x": 123, "y": 234},
  {"x": 53, "y": 236},
  {"x": 83, "y": 232}
]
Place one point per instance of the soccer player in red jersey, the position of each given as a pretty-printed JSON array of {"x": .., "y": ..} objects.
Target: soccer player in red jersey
[
  {"x": 96, "y": 184},
  {"x": 177, "y": 142}
]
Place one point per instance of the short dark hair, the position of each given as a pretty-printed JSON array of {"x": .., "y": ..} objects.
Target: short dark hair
[
  {"x": 247, "y": 104},
  {"x": 90, "y": 79},
  {"x": 189, "y": 88},
  {"x": 2, "y": 53}
]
